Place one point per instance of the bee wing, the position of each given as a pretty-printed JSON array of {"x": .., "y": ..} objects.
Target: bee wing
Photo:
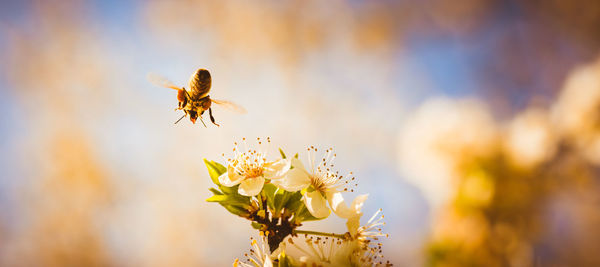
[
  {"x": 230, "y": 106},
  {"x": 162, "y": 81}
]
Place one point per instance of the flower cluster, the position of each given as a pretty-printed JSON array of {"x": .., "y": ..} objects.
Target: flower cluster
[
  {"x": 501, "y": 189},
  {"x": 278, "y": 194}
]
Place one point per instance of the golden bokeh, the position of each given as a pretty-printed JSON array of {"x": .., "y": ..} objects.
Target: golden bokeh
[{"x": 475, "y": 125}]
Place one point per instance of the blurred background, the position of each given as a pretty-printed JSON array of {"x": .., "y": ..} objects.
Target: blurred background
[{"x": 474, "y": 125}]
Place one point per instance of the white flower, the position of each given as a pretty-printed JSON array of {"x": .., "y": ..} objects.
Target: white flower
[
  {"x": 250, "y": 169},
  {"x": 323, "y": 185},
  {"x": 260, "y": 255},
  {"x": 530, "y": 139},
  {"x": 575, "y": 113},
  {"x": 366, "y": 234},
  {"x": 328, "y": 251},
  {"x": 321, "y": 251}
]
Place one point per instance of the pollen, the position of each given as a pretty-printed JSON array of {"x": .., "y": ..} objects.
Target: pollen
[
  {"x": 322, "y": 178},
  {"x": 246, "y": 162}
]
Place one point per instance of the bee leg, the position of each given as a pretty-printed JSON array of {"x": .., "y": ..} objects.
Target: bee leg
[{"x": 212, "y": 119}]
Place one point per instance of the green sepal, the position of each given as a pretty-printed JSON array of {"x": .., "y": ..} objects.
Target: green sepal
[{"x": 282, "y": 154}]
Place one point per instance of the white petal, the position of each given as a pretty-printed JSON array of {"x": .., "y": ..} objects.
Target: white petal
[
  {"x": 342, "y": 255},
  {"x": 251, "y": 186},
  {"x": 295, "y": 179},
  {"x": 316, "y": 204},
  {"x": 297, "y": 164},
  {"x": 353, "y": 223},
  {"x": 358, "y": 203},
  {"x": 336, "y": 201},
  {"x": 230, "y": 178},
  {"x": 276, "y": 169}
]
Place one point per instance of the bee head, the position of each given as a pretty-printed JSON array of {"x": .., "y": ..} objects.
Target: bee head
[
  {"x": 182, "y": 98},
  {"x": 193, "y": 116}
]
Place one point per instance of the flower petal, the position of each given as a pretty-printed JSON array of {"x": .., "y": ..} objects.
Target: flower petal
[
  {"x": 336, "y": 201},
  {"x": 337, "y": 204},
  {"x": 230, "y": 178},
  {"x": 316, "y": 204},
  {"x": 251, "y": 186},
  {"x": 295, "y": 179},
  {"x": 276, "y": 169},
  {"x": 358, "y": 203},
  {"x": 353, "y": 223},
  {"x": 297, "y": 164}
]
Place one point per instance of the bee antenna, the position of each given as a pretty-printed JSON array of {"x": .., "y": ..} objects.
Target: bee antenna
[{"x": 180, "y": 119}]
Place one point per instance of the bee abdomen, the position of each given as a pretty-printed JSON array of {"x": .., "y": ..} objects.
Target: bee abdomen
[{"x": 200, "y": 83}]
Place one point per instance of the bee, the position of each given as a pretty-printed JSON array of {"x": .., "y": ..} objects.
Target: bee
[{"x": 195, "y": 101}]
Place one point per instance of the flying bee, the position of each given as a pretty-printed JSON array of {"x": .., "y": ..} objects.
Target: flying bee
[{"x": 195, "y": 101}]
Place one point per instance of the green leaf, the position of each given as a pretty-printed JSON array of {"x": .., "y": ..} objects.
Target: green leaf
[
  {"x": 218, "y": 198},
  {"x": 282, "y": 154},
  {"x": 230, "y": 199},
  {"x": 269, "y": 191},
  {"x": 215, "y": 191},
  {"x": 294, "y": 202},
  {"x": 306, "y": 216},
  {"x": 239, "y": 211},
  {"x": 281, "y": 199},
  {"x": 214, "y": 170},
  {"x": 256, "y": 225},
  {"x": 230, "y": 190}
]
